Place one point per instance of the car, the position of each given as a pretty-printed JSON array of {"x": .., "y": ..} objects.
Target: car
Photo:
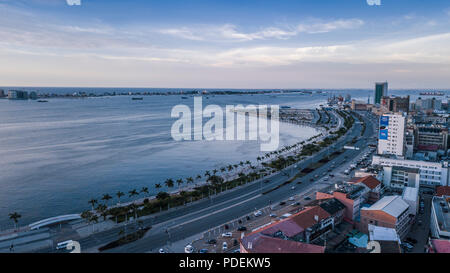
[
  {"x": 291, "y": 198},
  {"x": 242, "y": 228},
  {"x": 224, "y": 246},
  {"x": 237, "y": 251},
  {"x": 408, "y": 245},
  {"x": 212, "y": 242},
  {"x": 282, "y": 203},
  {"x": 331, "y": 175},
  {"x": 189, "y": 249},
  {"x": 307, "y": 198},
  {"x": 293, "y": 188},
  {"x": 257, "y": 213},
  {"x": 326, "y": 179},
  {"x": 299, "y": 182},
  {"x": 161, "y": 250},
  {"x": 273, "y": 215},
  {"x": 203, "y": 250},
  {"x": 296, "y": 204},
  {"x": 227, "y": 234}
]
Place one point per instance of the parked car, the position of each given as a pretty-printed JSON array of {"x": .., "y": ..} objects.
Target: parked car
[
  {"x": 237, "y": 251},
  {"x": 293, "y": 188},
  {"x": 161, "y": 250},
  {"x": 189, "y": 249},
  {"x": 273, "y": 215},
  {"x": 307, "y": 198},
  {"x": 291, "y": 198},
  {"x": 212, "y": 242},
  {"x": 227, "y": 234},
  {"x": 257, "y": 213},
  {"x": 282, "y": 203},
  {"x": 203, "y": 250},
  {"x": 242, "y": 228},
  {"x": 224, "y": 246}
]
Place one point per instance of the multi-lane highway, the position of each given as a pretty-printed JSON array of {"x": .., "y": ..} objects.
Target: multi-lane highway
[{"x": 184, "y": 222}]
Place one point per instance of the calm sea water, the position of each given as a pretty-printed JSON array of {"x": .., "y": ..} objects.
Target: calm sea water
[{"x": 56, "y": 156}]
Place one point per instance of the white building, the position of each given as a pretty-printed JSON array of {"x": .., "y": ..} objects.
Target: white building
[
  {"x": 397, "y": 177},
  {"x": 411, "y": 197},
  {"x": 440, "y": 217},
  {"x": 430, "y": 173},
  {"x": 391, "y": 138}
]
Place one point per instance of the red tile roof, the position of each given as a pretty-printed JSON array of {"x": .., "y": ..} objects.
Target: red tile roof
[
  {"x": 305, "y": 218},
  {"x": 441, "y": 246},
  {"x": 261, "y": 243},
  {"x": 370, "y": 181},
  {"x": 443, "y": 190}
]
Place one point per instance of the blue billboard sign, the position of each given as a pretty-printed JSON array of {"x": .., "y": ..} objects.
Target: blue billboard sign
[
  {"x": 384, "y": 121},
  {"x": 384, "y": 134}
]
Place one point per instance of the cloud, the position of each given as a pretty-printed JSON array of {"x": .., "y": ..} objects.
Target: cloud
[{"x": 230, "y": 32}]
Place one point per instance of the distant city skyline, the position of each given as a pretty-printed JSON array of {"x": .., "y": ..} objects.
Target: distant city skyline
[{"x": 225, "y": 44}]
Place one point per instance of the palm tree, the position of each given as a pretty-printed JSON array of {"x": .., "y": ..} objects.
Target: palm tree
[
  {"x": 119, "y": 194},
  {"x": 199, "y": 176},
  {"x": 190, "y": 180},
  {"x": 223, "y": 169},
  {"x": 169, "y": 183},
  {"x": 106, "y": 198},
  {"x": 230, "y": 167},
  {"x": 207, "y": 173},
  {"x": 144, "y": 190},
  {"x": 15, "y": 217},
  {"x": 92, "y": 202},
  {"x": 133, "y": 192},
  {"x": 158, "y": 186},
  {"x": 179, "y": 182},
  {"x": 215, "y": 171},
  {"x": 102, "y": 210},
  {"x": 248, "y": 162}
]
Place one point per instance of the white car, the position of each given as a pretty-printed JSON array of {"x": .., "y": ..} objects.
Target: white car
[
  {"x": 224, "y": 246},
  {"x": 161, "y": 250},
  {"x": 257, "y": 213},
  {"x": 291, "y": 199},
  {"x": 293, "y": 188},
  {"x": 227, "y": 234},
  {"x": 189, "y": 249}
]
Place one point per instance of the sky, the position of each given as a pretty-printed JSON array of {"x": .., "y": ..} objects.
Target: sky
[{"x": 225, "y": 43}]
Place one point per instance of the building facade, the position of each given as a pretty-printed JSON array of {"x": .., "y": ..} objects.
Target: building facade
[
  {"x": 430, "y": 173},
  {"x": 391, "y": 139},
  {"x": 381, "y": 90}
]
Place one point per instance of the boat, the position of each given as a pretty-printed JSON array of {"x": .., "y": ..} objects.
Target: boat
[
  {"x": 42, "y": 101},
  {"x": 185, "y": 98},
  {"x": 431, "y": 94},
  {"x": 137, "y": 98}
]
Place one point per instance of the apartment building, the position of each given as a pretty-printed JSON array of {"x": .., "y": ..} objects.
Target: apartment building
[
  {"x": 391, "y": 139},
  {"x": 440, "y": 217},
  {"x": 430, "y": 173},
  {"x": 390, "y": 212}
]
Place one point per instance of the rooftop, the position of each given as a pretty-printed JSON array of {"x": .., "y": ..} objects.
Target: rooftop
[
  {"x": 441, "y": 209},
  {"x": 332, "y": 205},
  {"x": 377, "y": 233},
  {"x": 441, "y": 246},
  {"x": 352, "y": 191},
  {"x": 443, "y": 190},
  {"x": 370, "y": 181},
  {"x": 392, "y": 205},
  {"x": 405, "y": 169},
  {"x": 410, "y": 194},
  {"x": 261, "y": 243}
]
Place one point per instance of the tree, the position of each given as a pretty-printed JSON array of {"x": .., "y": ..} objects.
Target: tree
[
  {"x": 199, "y": 176},
  {"x": 162, "y": 195},
  {"x": 92, "y": 202},
  {"x": 179, "y": 182},
  {"x": 169, "y": 183},
  {"x": 158, "y": 186},
  {"x": 215, "y": 180},
  {"x": 207, "y": 173},
  {"x": 15, "y": 217},
  {"x": 119, "y": 194},
  {"x": 106, "y": 198},
  {"x": 144, "y": 190},
  {"x": 189, "y": 180},
  {"x": 133, "y": 192}
]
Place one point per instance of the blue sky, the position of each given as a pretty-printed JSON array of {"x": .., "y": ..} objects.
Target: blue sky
[{"x": 225, "y": 44}]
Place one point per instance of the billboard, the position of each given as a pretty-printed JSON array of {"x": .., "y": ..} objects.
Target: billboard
[{"x": 384, "y": 127}]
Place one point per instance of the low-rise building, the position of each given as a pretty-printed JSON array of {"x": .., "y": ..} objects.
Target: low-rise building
[
  {"x": 397, "y": 178},
  {"x": 389, "y": 212},
  {"x": 440, "y": 217},
  {"x": 351, "y": 196},
  {"x": 411, "y": 196},
  {"x": 387, "y": 238},
  {"x": 430, "y": 173},
  {"x": 17, "y": 95},
  {"x": 373, "y": 184}
]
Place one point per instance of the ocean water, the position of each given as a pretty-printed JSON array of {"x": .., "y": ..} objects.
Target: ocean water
[{"x": 56, "y": 156}]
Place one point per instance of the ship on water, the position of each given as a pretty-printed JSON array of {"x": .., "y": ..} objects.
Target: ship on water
[{"x": 431, "y": 93}]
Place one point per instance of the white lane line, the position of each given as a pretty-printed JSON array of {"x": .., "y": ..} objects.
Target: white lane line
[{"x": 217, "y": 211}]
